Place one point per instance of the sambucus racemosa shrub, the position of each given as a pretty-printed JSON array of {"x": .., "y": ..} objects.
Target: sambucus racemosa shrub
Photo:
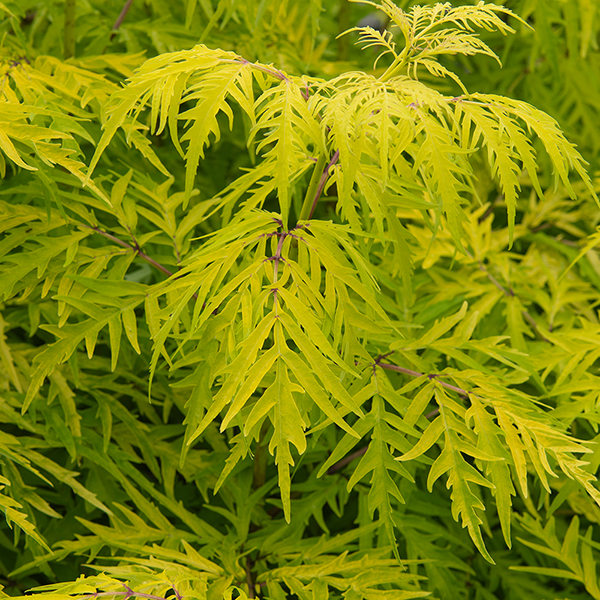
[{"x": 276, "y": 326}]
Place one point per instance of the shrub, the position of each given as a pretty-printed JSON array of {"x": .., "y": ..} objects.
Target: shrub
[{"x": 291, "y": 330}]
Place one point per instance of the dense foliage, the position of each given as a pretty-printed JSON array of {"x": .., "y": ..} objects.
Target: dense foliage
[{"x": 290, "y": 316}]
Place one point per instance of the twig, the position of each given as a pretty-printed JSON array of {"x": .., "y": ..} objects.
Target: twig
[
  {"x": 135, "y": 248},
  {"x": 121, "y": 18},
  {"x": 69, "y": 30},
  {"x": 276, "y": 259},
  {"x": 569, "y": 243},
  {"x": 509, "y": 292},
  {"x": 322, "y": 182},
  {"x": 488, "y": 211},
  {"x": 540, "y": 227},
  {"x": 249, "y": 580},
  {"x": 534, "y": 326},
  {"x": 340, "y": 464},
  {"x": 177, "y": 594},
  {"x": 273, "y": 72},
  {"x": 128, "y": 593},
  {"x": 412, "y": 373}
]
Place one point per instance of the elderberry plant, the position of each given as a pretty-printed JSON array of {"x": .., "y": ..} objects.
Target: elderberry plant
[{"x": 274, "y": 325}]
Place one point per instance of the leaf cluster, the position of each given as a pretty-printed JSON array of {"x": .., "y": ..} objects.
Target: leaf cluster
[{"x": 274, "y": 325}]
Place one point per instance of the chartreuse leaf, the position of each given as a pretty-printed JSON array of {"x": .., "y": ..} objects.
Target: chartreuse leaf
[
  {"x": 451, "y": 461},
  {"x": 438, "y": 329},
  {"x": 319, "y": 367},
  {"x": 6, "y": 9},
  {"x": 291, "y": 126},
  {"x": 115, "y": 329},
  {"x": 500, "y": 134},
  {"x": 34, "y": 257},
  {"x": 388, "y": 433},
  {"x": 303, "y": 315},
  {"x": 45, "y": 362},
  {"x": 202, "y": 76},
  {"x": 417, "y": 28},
  {"x": 9, "y": 149},
  {"x": 356, "y": 336},
  {"x": 304, "y": 376},
  {"x": 489, "y": 440},
  {"x": 531, "y": 435},
  {"x": 211, "y": 98},
  {"x": 362, "y": 574},
  {"x": 11, "y": 511},
  {"x": 70, "y": 336},
  {"x": 240, "y": 371},
  {"x": 288, "y": 428},
  {"x": 562, "y": 153},
  {"x": 130, "y": 324},
  {"x": 575, "y": 553},
  {"x": 444, "y": 171},
  {"x": 593, "y": 241},
  {"x": 380, "y": 462},
  {"x": 254, "y": 376},
  {"x": 7, "y": 359},
  {"x": 65, "y": 476}
]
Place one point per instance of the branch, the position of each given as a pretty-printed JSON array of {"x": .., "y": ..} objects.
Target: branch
[
  {"x": 312, "y": 187},
  {"x": 509, "y": 292},
  {"x": 128, "y": 593},
  {"x": 260, "y": 458},
  {"x": 322, "y": 182},
  {"x": 273, "y": 72},
  {"x": 340, "y": 464},
  {"x": 69, "y": 30},
  {"x": 412, "y": 373},
  {"x": 305, "y": 94},
  {"x": 121, "y": 18},
  {"x": 135, "y": 248},
  {"x": 249, "y": 580}
]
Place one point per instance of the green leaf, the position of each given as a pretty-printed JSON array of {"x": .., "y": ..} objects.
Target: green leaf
[
  {"x": 130, "y": 324},
  {"x": 288, "y": 429}
]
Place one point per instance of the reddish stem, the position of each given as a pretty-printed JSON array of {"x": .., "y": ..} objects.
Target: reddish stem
[
  {"x": 340, "y": 464},
  {"x": 121, "y": 18},
  {"x": 412, "y": 373},
  {"x": 322, "y": 182},
  {"x": 135, "y": 248}
]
